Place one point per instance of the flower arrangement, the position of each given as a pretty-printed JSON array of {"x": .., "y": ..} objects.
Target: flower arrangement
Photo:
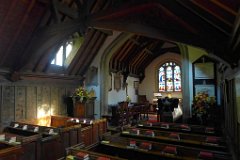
[
  {"x": 81, "y": 94},
  {"x": 201, "y": 104},
  {"x": 128, "y": 99}
]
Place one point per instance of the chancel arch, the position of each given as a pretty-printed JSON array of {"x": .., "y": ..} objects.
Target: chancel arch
[{"x": 116, "y": 41}]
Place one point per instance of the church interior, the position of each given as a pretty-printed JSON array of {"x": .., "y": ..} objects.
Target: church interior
[{"x": 119, "y": 79}]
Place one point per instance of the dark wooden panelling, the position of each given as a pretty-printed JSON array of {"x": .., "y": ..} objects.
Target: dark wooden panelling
[
  {"x": 31, "y": 102},
  {"x": 1, "y": 108},
  {"x": 238, "y": 146},
  {"x": 7, "y": 108},
  {"x": 43, "y": 99},
  {"x": 55, "y": 147},
  {"x": 23, "y": 101},
  {"x": 20, "y": 102},
  {"x": 70, "y": 91},
  {"x": 46, "y": 97},
  {"x": 30, "y": 149},
  {"x": 39, "y": 98},
  {"x": 73, "y": 137},
  {"x": 0, "y": 100},
  {"x": 55, "y": 101},
  {"x": 95, "y": 128},
  {"x": 65, "y": 137},
  {"x": 62, "y": 106},
  {"x": 89, "y": 111},
  {"x": 87, "y": 135}
]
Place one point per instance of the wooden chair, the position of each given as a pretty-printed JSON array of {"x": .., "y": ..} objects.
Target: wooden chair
[
  {"x": 144, "y": 103},
  {"x": 124, "y": 113}
]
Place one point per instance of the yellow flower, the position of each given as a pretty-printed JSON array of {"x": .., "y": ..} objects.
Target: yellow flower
[{"x": 81, "y": 93}]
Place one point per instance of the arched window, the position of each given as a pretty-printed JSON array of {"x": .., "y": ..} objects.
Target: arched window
[
  {"x": 67, "y": 50},
  {"x": 62, "y": 54},
  {"x": 169, "y": 77}
]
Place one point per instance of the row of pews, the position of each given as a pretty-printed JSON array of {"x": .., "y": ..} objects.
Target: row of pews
[
  {"x": 49, "y": 137},
  {"x": 67, "y": 138},
  {"x": 191, "y": 140},
  {"x": 186, "y": 128},
  {"x": 157, "y": 141},
  {"x": 80, "y": 152}
]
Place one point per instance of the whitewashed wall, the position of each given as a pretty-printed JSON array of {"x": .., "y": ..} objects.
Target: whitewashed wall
[
  {"x": 115, "y": 96},
  {"x": 149, "y": 84},
  {"x": 101, "y": 62}
]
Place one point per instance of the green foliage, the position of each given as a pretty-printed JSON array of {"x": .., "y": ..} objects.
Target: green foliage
[
  {"x": 202, "y": 102},
  {"x": 81, "y": 94}
]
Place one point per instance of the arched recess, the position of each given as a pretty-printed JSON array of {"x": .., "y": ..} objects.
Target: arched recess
[
  {"x": 104, "y": 69},
  {"x": 149, "y": 84}
]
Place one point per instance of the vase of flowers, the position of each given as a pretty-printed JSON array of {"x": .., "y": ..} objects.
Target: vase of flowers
[
  {"x": 202, "y": 102},
  {"x": 80, "y": 95}
]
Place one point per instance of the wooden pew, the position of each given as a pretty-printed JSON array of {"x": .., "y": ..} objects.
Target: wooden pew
[
  {"x": 69, "y": 130},
  {"x": 27, "y": 140},
  {"x": 79, "y": 150},
  {"x": 92, "y": 130},
  {"x": 141, "y": 149},
  {"x": 50, "y": 138},
  {"x": 102, "y": 123},
  {"x": 178, "y": 127},
  {"x": 73, "y": 130},
  {"x": 10, "y": 151},
  {"x": 197, "y": 141}
]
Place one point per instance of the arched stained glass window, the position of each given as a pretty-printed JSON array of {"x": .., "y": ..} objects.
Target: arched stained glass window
[{"x": 169, "y": 77}]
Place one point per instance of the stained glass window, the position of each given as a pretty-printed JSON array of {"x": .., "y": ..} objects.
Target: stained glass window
[
  {"x": 169, "y": 77},
  {"x": 161, "y": 79}
]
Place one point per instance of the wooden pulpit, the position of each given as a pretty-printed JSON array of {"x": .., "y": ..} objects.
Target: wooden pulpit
[
  {"x": 84, "y": 109},
  {"x": 79, "y": 109}
]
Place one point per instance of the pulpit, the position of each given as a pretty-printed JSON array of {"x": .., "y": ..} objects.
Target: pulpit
[
  {"x": 84, "y": 109},
  {"x": 90, "y": 107},
  {"x": 79, "y": 109}
]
